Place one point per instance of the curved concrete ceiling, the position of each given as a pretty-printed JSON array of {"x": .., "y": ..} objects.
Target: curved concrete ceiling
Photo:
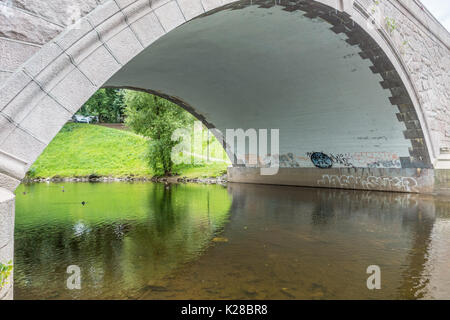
[{"x": 269, "y": 68}]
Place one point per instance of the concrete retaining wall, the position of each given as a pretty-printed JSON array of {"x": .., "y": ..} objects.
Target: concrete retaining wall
[{"x": 394, "y": 180}]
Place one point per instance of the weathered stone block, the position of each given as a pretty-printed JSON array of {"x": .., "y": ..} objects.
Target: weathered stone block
[
  {"x": 191, "y": 8},
  {"x": 84, "y": 47},
  {"x": 212, "y": 4},
  {"x": 99, "y": 66},
  {"x": 27, "y": 28},
  {"x": 148, "y": 29},
  {"x": 12, "y": 166},
  {"x": 43, "y": 58},
  {"x": 62, "y": 12},
  {"x": 170, "y": 16},
  {"x": 74, "y": 90},
  {"x": 23, "y": 146},
  {"x": 137, "y": 10},
  {"x": 155, "y": 4},
  {"x": 4, "y": 76},
  {"x": 73, "y": 34},
  {"x": 15, "y": 84},
  {"x": 13, "y": 54},
  {"x": 125, "y": 46},
  {"x": 50, "y": 76},
  {"x": 6, "y": 127},
  {"x": 103, "y": 13},
  {"x": 46, "y": 119},
  {"x": 111, "y": 27},
  {"x": 124, "y": 3},
  {"x": 19, "y": 107}
]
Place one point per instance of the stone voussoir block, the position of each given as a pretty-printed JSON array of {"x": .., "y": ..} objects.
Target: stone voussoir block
[
  {"x": 212, "y": 4},
  {"x": 170, "y": 15},
  {"x": 46, "y": 120},
  {"x": 84, "y": 47},
  {"x": 148, "y": 29},
  {"x": 155, "y": 4},
  {"x": 12, "y": 87},
  {"x": 137, "y": 10},
  {"x": 23, "y": 103},
  {"x": 43, "y": 58},
  {"x": 191, "y": 8},
  {"x": 111, "y": 26},
  {"x": 73, "y": 34},
  {"x": 50, "y": 76},
  {"x": 125, "y": 3},
  {"x": 125, "y": 46},
  {"x": 99, "y": 66},
  {"x": 74, "y": 90},
  {"x": 102, "y": 13},
  {"x": 23, "y": 145},
  {"x": 6, "y": 127}
]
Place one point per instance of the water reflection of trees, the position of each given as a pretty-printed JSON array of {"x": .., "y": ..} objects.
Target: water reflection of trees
[{"x": 119, "y": 254}]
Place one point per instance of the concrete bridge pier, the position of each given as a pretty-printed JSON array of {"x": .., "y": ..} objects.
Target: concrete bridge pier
[{"x": 7, "y": 204}]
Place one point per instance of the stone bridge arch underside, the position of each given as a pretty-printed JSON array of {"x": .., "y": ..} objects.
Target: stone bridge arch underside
[
  {"x": 318, "y": 71},
  {"x": 333, "y": 82}
]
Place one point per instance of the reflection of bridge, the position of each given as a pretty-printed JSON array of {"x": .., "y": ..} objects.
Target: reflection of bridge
[{"x": 365, "y": 85}]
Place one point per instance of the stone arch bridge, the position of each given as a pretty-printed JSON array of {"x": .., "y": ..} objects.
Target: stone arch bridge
[{"x": 359, "y": 89}]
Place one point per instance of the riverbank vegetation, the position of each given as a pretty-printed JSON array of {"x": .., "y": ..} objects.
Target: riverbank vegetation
[
  {"x": 146, "y": 147},
  {"x": 81, "y": 150}
]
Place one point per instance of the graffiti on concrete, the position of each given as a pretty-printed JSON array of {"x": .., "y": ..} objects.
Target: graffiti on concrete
[
  {"x": 401, "y": 184},
  {"x": 358, "y": 159},
  {"x": 321, "y": 160},
  {"x": 317, "y": 159},
  {"x": 376, "y": 160},
  {"x": 288, "y": 161},
  {"x": 385, "y": 164},
  {"x": 341, "y": 160}
]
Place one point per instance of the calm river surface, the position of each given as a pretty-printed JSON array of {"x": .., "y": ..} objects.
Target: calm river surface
[{"x": 152, "y": 241}]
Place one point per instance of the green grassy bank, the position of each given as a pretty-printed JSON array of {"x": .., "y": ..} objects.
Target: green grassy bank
[{"x": 80, "y": 150}]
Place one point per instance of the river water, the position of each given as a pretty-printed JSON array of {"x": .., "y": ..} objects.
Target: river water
[{"x": 191, "y": 241}]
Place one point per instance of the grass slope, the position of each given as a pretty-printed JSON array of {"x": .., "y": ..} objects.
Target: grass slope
[{"x": 83, "y": 149}]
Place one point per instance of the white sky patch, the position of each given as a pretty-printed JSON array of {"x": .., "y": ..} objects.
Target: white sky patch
[{"x": 440, "y": 9}]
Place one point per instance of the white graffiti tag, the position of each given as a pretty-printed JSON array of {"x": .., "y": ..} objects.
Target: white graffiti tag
[{"x": 402, "y": 184}]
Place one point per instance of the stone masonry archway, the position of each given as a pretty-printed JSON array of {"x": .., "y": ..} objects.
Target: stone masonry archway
[{"x": 111, "y": 44}]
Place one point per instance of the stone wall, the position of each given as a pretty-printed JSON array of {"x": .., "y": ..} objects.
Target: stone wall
[
  {"x": 423, "y": 46},
  {"x": 26, "y": 25}
]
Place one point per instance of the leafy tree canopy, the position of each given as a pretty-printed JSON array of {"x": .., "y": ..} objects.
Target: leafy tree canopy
[
  {"x": 107, "y": 104},
  {"x": 157, "y": 119}
]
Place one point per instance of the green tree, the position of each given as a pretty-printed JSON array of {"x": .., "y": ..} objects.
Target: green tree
[
  {"x": 157, "y": 119},
  {"x": 107, "y": 104}
]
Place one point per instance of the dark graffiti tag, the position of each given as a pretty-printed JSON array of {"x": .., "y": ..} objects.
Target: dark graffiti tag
[
  {"x": 321, "y": 160},
  {"x": 288, "y": 161}
]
